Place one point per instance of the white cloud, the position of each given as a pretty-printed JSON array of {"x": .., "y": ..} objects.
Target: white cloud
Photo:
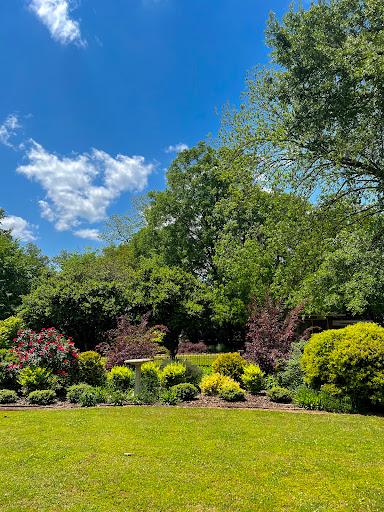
[
  {"x": 54, "y": 14},
  {"x": 21, "y": 229},
  {"x": 8, "y": 129},
  {"x": 90, "y": 234},
  {"x": 72, "y": 191},
  {"x": 177, "y": 148}
]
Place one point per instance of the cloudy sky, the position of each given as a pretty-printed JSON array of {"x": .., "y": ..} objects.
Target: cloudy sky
[{"x": 98, "y": 96}]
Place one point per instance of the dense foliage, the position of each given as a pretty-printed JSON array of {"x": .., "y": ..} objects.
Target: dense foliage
[{"x": 351, "y": 359}]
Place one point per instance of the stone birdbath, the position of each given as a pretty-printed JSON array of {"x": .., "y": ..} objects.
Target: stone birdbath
[{"x": 137, "y": 363}]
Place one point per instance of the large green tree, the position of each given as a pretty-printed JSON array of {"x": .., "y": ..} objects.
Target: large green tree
[
  {"x": 315, "y": 116},
  {"x": 19, "y": 267}
]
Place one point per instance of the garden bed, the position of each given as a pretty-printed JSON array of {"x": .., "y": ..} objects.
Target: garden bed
[{"x": 259, "y": 401}]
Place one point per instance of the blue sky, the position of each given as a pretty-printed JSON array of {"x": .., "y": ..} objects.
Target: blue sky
[{"x": 97, "y": 96}]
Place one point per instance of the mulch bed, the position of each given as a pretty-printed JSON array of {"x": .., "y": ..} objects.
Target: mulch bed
[{"x": 259, "y": 401}]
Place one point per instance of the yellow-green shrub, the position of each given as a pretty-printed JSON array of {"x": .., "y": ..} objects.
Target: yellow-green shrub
[
  {"x": 121, "y": 378},
  {"x": 150, "y": 377},
  {"x": 230, "y": 364},
  {"x": 8, "y": 331},
  {"x": 91, "y": 368},
  {"x": 172, "y": 374},
  {"x": 352, "y": 359},
  {"x": 253, "y": 378},
  {"x": 212, "y": 384}
]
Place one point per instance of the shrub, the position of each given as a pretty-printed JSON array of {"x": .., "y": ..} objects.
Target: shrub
[
  {"x": 322, "y": 400},
  {"x": 7, "y": 396},
  {"x": 121, "y": 378},
  {"x": 9, "y": 330},
  {"x": 352, "y": 359},
  {"x": 253, "y": 378},
  {"x": 193, "y": 373},
  {"x": 32, "y": 379},
  {"x": 88, "y": 398},
  {"x": 192, "y": 348},
  {"x": 74, "y": 392},
  {"x": 270, "y": 381},
  {"x": 293, "y": 375},
  {"x": 117, "y": 397},
  {"x": 129, "y": 341},
  {"x": 9, "y": 371},
  {"x": 172, "y": 374},
  {"x": 185, "y": 391},
  {"x": 230, "y": 365},
  {"x": 101, "y": 394},
  {"x": 212, "y": 384},
  {"x": 169, "y": 397},
  {"x": 232, "y": 395},
  {"x": 150, "y": 379},
  {"x": 42, "y": 397},
  {"x": 91, "y": 368},
  {"x": 47, "y": 349},
  {"x": 271, "y": 332},
  {"x": 281, "y": 395}
]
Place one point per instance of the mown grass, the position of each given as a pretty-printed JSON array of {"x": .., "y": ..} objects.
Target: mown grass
[{"x": 189, "y": 460}]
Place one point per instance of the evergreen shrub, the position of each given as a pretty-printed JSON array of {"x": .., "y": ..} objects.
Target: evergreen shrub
[
  {"x": 230, "y": 364},
  {"x": 121, "y": 378},
  {"x": 212, "y": 384},
  {"x": 7, "y": 396},
  {"x": 172, "y": 374},
  {"x": 232, "y": 395},
  {"x": 281, "y": 395},
  {"x": 91, "y": 368},
  {"x": 74, "y": 392},
  {"x": 351, "y": 359},
  {"x": 185, "y": 391},
  {"x": 42, "y": 397},
  {"x": 253, "y": 378}
]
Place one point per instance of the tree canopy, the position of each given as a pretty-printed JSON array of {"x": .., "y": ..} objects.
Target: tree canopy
[{"x": 314, "y": 116}]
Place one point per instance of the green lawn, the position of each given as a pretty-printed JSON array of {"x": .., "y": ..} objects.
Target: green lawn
[{"x": 189, "y": 460}]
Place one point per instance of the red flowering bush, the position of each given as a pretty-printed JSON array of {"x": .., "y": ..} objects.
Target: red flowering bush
[
  {"x": 47, "y": 349},
  {"x": 129, "y": 341}
]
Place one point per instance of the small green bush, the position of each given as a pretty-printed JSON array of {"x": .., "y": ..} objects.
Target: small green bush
[
  {"x": 169, "y": 397},
  {"x": 281, "y": 395},
  {"x": 91, "y": 368},
  {"x": 193, "y": 373},
  {"x": 74, "y": 392},
  {"x": 230, "y": 364},
  {"x": 253, "y": 378},
  {"x": 212, "y": 384},
  {"x": 352, "y": 359},
  {"x": 271, "y": 381},
  {"x": 150, "y": 381},
  {"x": 232, "y": 395},
  {"x": 42, "y": 397},
  {"x": 172, "y": 374},
  {"x": 121, "y": 378},
  {"x": 7, "y": 396},
  {"x": 88, "y": 398},
  {"x": 101, "y": 394},
  {"x": 32, "y": 379},
  {"x": 9, "y": 329},
  {"x": 185, "y": 391}
]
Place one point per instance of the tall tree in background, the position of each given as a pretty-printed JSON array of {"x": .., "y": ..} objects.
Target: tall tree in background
[
  {"x": 315, "y": 116},
  {"x": 19, "y": 267}
]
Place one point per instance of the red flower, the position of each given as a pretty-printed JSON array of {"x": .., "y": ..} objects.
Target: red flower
[
  {"x": 14, "y": 339},
  {"x": 63, "y": 373}
]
